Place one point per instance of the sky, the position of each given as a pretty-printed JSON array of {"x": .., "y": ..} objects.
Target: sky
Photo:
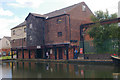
[{"x": 14, "y": 12}]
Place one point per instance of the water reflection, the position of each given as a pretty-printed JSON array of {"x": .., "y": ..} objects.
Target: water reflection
[
  {"x": 57, "y": 70},
  {"x": 0, "y": 70},
  {"x": 116, "y": 74}
]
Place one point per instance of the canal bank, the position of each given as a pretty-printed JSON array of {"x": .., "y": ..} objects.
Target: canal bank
[
  {"x": 72, "y": 61},
  {"x": 37, "y": 69}
]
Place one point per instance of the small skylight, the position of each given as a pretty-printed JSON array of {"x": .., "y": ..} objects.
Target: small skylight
[{"x": 47, "y": 17}]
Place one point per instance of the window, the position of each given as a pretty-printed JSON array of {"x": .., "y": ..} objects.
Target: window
[
  {"x": 13, "y": 41},
  {"x": 13, "y": 32},
  {"x": 59, "y": 34},
  {"x": 30, "y": 37},
  {"x": 59, "y": 21},
  {"x": 30, "y": 26},
  {"x": 83, "y": 7},
  {"x": 4, "y": 53},
  {"x": 24, "y": 29},
  {"x": 7, "y": 43}
]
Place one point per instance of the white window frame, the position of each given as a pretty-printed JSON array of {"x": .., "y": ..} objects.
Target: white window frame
[
  {"x": 83, "y": 8},
  {"x": 31, "y": 26}
]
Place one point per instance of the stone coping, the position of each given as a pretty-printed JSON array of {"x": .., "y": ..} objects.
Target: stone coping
[
  {"x": 56, "y": 60},
  {"x": 72, "y": 61}
]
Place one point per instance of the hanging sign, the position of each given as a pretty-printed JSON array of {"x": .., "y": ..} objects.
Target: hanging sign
[{"x": 38, "y": 47}]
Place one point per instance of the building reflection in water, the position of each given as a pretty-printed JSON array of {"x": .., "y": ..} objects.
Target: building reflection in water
[
  {"x": 58, "y": 70},
  {"x": 0, "y": 71},
  {"x": 116, "y": 74},
  {"x": 6, "y": 70}
]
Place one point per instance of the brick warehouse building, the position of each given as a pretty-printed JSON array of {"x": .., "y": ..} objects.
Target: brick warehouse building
[{"x": 57, "y": 32}]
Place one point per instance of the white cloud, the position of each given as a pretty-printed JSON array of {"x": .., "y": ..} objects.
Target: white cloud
[
  {"x": 110, "y": 5},
  {"x": 15, "y": 5},
  {"x": 7, "y": 24},
  {"x": 69, "y": 2},
  {"x": 27, "y": 3},
  {"x": 5, "y": 12}
]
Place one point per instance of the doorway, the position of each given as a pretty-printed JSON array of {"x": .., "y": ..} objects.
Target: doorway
[
  {"x": 39, "y": 54},
  {"x": 60, "y": 53}
]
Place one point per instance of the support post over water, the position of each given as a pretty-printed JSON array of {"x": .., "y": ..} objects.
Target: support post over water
[
  {"x": 17, "y": 53},
  {"x": 55, "y": 52},
  {"x": 22, "y": 53},
  {"x": 67, "y": 55},
  {"x": 29, "y": 54},
  {"x": 44, "y": 52}
]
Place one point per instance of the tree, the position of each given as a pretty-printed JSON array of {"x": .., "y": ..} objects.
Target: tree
[{"x": 103, "y": 35}]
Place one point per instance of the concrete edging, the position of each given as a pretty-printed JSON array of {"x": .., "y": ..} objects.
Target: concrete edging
[{"x": 101, "y": 62}]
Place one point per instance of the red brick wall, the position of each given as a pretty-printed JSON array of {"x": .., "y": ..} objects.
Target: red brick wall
[
  {"x": 79, "y": 17},
  {"x": 19, "y": 54},
  {"x": 52, "y": 56},
  {"x": 32, "y": 54},
  {"x": 52, "y": 29},
  {"x": 18, "y": 42},
  {"x": 26, "y": 54},
  {"x": 70, "y": 53}
]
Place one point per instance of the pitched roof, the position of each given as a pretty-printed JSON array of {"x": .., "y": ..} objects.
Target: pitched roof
[
  {"x": 20, "y": 25},
  {"x": 52, "y": 14},
  {"x": 57, "y": 12},
  {"x": 8, "y": 38},
  {"x": 39, "y": 15},
  {"x": 62, "y": 11}
]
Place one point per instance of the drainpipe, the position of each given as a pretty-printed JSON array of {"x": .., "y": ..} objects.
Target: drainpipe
[
  {"x": 22, "y": 50},
  {"x": 69, "y": 26}
]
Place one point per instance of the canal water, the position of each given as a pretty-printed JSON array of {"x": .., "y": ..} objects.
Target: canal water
[{"x": 57, "y": 70}]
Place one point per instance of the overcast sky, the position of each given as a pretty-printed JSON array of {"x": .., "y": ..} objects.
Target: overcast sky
[{"x": 13, "y": 12}]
